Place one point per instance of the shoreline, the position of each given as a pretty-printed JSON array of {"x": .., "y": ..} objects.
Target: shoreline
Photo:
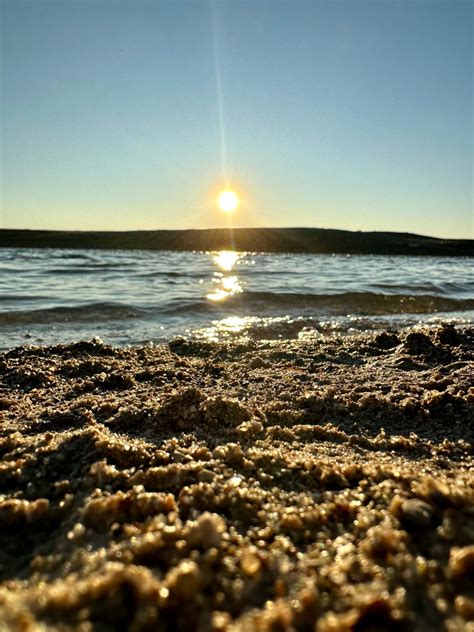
[
  {"x": 324, "y": 485},
  {"x": 264, "y": 240}
]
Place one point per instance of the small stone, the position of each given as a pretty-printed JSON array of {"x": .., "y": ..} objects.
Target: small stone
[
  {"x": 376, "y": 614},
  {"x": 416, "y": 513},
  {"x": 386, "y": 340},
  {"x": 76, "y": 532},
  {"x": 229, "y": 413},
  {"x": 206, "y": 531},
  {"x": 292, "y": 521},
  {"x": 258, "y": 363},
  {"x": 219, "y": 452},
  {"x": 6, "y": 403},
  {"x": 436, "y": 491},
  {"x": 235, "y": 481},
  {"x": 461, "y": 563},
  {"x": 206, "y": 476},
  {"x": 417, "y": 343},
  {"x": 185, "y": 579},
  {"x": 220, "y": 621},
  {"x": 448, "y": 336},
  {"x": 250, "y": 562},
  {"x": 250, "y": 428},
  {"x": 465, "y": 607}
]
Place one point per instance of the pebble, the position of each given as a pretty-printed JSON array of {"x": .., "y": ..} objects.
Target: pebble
[
  {"x": 461, "y": 563},
  {"x": 207, "y": 531},
  {"x": 184, "y": 580},
  {"x": 417, "y": 343},
  {"x": 250, "y": 562},
  {"x": 258, "y": 363},
  {"x": 416, "y": 514}
]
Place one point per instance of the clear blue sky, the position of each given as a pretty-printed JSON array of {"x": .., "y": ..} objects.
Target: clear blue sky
[{"x": 345, "y": 114}]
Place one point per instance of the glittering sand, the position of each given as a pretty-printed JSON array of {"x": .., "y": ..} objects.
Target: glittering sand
[{"x": 324, "y": 485}]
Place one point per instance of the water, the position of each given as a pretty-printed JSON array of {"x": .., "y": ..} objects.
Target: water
[{"x": 133, "y": 297}]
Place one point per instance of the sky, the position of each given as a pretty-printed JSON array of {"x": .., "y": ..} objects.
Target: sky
[{"x": 131, "y": 115}]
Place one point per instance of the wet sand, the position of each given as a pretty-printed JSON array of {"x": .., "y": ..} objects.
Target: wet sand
[{"x": 325, "y": 485}]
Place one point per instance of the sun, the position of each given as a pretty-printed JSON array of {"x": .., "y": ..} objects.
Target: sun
[{"x": 228, "y": 201}]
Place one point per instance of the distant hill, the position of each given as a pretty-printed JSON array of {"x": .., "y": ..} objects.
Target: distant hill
[{"x": 303, "y": 240}]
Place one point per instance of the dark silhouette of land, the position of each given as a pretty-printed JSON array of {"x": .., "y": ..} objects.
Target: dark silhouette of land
[{"x": 303, "y": 240}]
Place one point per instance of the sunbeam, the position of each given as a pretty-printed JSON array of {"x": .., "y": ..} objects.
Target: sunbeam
[{"x": 219, "y": 94}]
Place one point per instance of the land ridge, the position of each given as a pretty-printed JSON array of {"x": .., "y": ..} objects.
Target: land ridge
[{"x": 277, "y": 240}]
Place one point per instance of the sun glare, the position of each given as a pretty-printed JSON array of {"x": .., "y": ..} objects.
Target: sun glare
[
  {"x": 228, "y": 201},
  {"x": 226, "y": 259}
]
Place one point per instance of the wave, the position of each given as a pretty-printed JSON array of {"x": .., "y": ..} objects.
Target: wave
[
  {"x": 92, "y": 312},
  {"x": 446, "y": 288},
  {"x": 22, "y": 298},
  {"x": 86, "y": 269},
  {"x": 172, "y": 274},
  {"x": 246, "y": 303},
  {"x": 369, "y": 303},
  {"x": 365, "y": 302}
]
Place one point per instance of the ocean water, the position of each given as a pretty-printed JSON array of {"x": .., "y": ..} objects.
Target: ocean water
[{"x": 134, "y": 297}]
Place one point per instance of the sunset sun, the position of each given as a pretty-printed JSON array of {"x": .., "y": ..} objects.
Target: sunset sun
[{"x": 228, "y": 201}]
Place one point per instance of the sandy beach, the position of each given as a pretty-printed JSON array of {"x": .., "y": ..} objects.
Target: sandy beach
[{"x": 324, "y": 485}]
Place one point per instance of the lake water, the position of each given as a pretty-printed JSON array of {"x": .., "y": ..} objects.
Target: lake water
[{"x": 134, "y": 297}]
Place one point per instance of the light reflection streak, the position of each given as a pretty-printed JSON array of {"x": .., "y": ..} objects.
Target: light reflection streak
[
  {"x": 245, "y": 328},
  {"x": 230, "y": 327},
  {"x": 227, "y": 284}
]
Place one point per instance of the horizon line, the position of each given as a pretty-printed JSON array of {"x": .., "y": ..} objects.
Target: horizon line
[{"x": 240, "y": 228}]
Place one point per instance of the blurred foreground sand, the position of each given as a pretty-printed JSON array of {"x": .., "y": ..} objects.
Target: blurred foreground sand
[{"x": 323, "y": 486}]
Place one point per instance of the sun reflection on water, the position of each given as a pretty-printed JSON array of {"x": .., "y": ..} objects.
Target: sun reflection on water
[
  {"x": 226, "y": 259},
  {"x": 226, "y": 284}
]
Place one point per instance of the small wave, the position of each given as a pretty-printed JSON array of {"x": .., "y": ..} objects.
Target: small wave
[
  {"x": 85, "y": 269},
  {"x": 446, "y": 288},
  {"x": 171, "y": 274},
  {"x": 73, "y": 254},
  {"x": 369, "y": 303},
  {"x": 360, "y": 302},
  {"x": 93, "y": 312},
  {"x": 22, "y": 298}
]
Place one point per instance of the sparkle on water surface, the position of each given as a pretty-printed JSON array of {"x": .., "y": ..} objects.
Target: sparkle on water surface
[{"x": 226, "y": 284}]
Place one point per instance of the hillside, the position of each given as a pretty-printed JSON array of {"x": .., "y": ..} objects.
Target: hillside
[{"x": 304, "y": 240}]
